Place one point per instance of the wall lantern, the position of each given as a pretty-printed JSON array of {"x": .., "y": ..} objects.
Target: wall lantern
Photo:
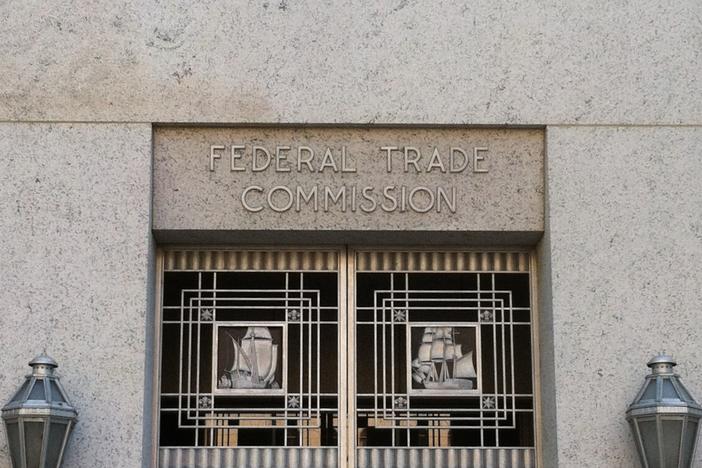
[
  {"x": 39, "y": 418},
  {"x": 664, "y": 418}
]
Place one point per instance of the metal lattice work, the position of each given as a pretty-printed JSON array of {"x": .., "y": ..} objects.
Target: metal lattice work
[
  {"x": 249, "y": 359},
  {"x": 452, "y": 359},
  {"x": 346, "y": 358}
]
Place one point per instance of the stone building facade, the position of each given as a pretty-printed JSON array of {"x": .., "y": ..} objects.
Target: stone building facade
[{"x": 609, "y": 92}]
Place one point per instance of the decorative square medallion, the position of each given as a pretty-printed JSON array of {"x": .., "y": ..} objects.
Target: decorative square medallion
[
  {"x": 249, "y": 358},
  {"x": 444, "y": 358}
]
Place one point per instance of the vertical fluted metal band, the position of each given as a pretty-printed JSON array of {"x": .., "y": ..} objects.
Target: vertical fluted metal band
[
  {"x": 328, "y": 260},
  {"x": 251, "y": 260},
  {"x": 424, "y": 457},
  {"x": 326, "y": 457},
  {"x": 446, "y": 261},
  {"x": 248, "y": 457}
]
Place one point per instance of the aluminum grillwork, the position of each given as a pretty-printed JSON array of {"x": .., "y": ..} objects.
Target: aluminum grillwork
[
  {"x": 254, "y": 359},
  {"x": 249, "y": 358},
  {"x": 452, "y": 360}
]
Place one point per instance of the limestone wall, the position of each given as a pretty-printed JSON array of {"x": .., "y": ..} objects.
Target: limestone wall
[
  {"x": 616, "y": 85},
  {"x": 75, "y": 261}
]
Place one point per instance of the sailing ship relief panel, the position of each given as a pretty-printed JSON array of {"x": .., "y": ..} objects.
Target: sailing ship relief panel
[
  {"x": 248, "y": 358},
  {"x": 443, "y": 359}
]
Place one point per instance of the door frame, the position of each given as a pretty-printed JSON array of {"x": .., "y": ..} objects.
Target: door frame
[{"x": 347, "y": 255}]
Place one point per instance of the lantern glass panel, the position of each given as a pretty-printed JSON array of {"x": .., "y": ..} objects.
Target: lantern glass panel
[
  {"x": 688, "y": 441},
  {"x": 672, "y": 431},
  {"x": 33, "y": 437},
  {"x": 14, "y": 443},
  {"x": 18, "y": 396},
  {"x": 57, "y": 432},
  {"x": 649, "y": 436},
  {"x": 684, "y": 393},
  {"x": 668, "y": 390},
  {"x": 650, "y": 393},
  {"x": 37, "y": 392},
  {"x": 55, "y": 392}
]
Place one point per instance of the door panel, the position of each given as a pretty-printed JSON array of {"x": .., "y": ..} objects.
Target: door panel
[
  {"x": 250, "y": 358},
  {"x": 443, "y": 362},
  {"x": 345, "y": 358}
]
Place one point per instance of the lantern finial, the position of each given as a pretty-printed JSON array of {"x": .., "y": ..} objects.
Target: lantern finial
[
  {"x": 662, "y": 364},
  {"x": 43, "y": 365}
]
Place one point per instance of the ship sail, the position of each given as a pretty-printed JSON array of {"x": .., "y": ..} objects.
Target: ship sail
[
  {"x": 437, "y": 350},
  {"x": 274, "y": 365},
  {"x": 241, "y": 360},
  {"x": 261, "y": 333},
  {"x": 464, "y": 367},
  {"x": 258, "y": 345},
  {"x": 424, "y": 353}
]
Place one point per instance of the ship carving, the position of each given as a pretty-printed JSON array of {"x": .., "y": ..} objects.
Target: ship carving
[
  {"x": 440, "y": 363},
  {"x": 255, "y": 361}
]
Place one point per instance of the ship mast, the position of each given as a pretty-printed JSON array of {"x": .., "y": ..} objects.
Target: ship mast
[
  {"x": 254, "y": 358},
  {"x": 237, "y": 357},
  {"x": 444, "y": 363},
  {"x": 453, "y": 338}
]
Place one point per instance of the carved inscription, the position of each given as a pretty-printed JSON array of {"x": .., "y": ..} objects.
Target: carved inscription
[{"x": 348, "y": 197}]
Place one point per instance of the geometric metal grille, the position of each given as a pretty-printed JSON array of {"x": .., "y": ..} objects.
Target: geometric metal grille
[
  {"x": 249, "y": 359},
  {"x": 451, "y": 363},
  {"x": 439, "y": 364}
]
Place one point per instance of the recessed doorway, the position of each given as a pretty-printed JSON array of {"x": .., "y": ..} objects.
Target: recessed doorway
[{"x": 346, "y": 357}]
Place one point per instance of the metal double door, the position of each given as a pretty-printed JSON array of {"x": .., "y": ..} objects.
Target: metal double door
[{"x": 346, "y": 357}]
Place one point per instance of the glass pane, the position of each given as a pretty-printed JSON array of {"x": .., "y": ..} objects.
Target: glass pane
[
  {"x": 684, "y": 394},
  {"x": 56, "y": 435},
  {"x": 672, "y": 430},
  {"x": 20, "y": 393},
  {"x": 688, "y": 441},
  {"x": 668, "y": 390},
  {"x": 649, "y": 434},
  {"x": 34, "y": 433},
  {"x": 55, "y": 392},
  {"x": 14, "y": 442},
  {"x": 650, "y": 393},
  {"x": 37, "y": 392}
]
